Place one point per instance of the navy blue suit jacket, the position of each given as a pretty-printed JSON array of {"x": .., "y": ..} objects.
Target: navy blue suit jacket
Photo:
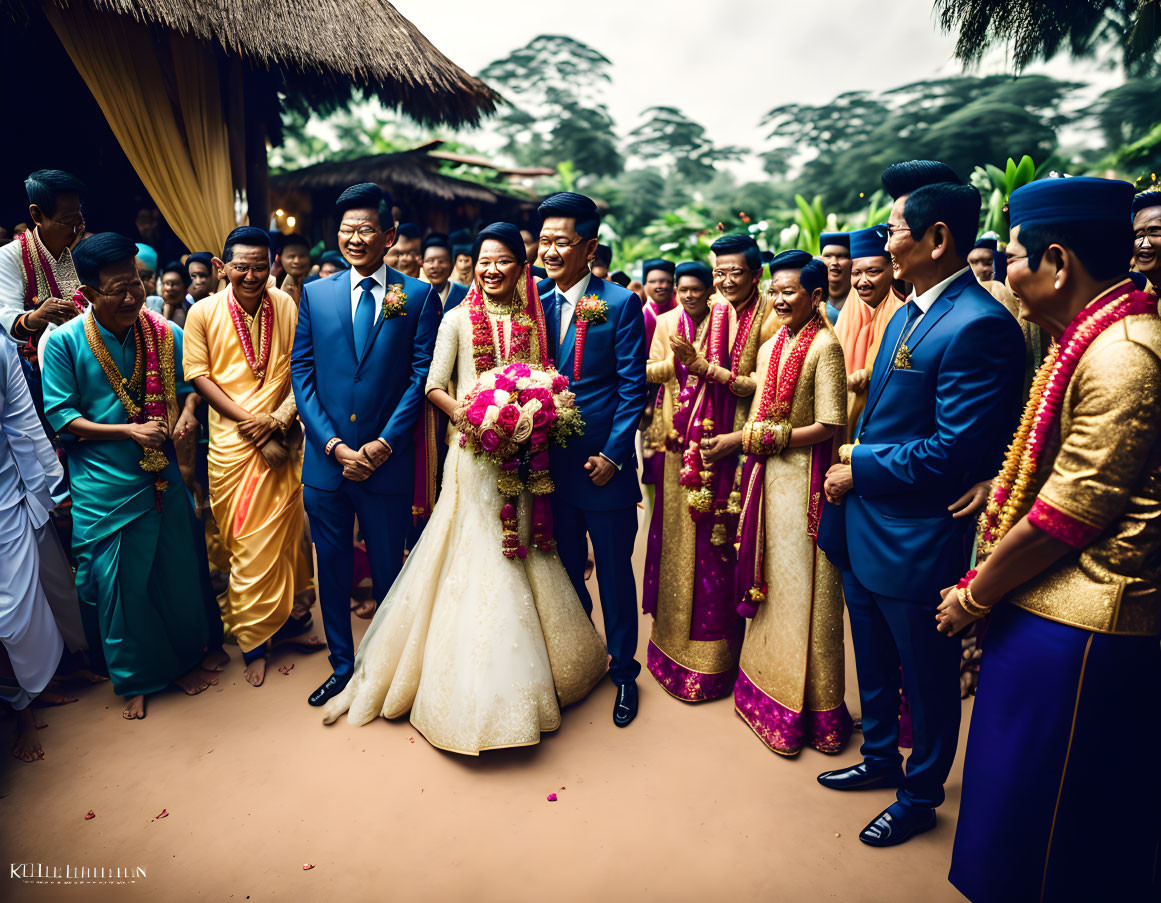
[
  {"x": 455, "y": 296},
  {"x": 610, "y": 395},
  {"x": 928, "y": 434},
  {"x": 360, "y": 399}
]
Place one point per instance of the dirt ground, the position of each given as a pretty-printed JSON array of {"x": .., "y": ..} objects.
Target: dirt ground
[{"x": 685, "y": 804}]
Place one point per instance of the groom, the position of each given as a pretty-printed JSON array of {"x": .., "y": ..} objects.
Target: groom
[
  {"x": 361, "y": 354},
  {"x": 596, "y": 474}
]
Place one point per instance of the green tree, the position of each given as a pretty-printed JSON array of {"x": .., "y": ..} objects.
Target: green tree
[
  {"x": 553, "y": 89},
  {"x": 844, "y": 145},
  {"x": 1040, "y": 29},
  {"x": 671, "y": 139}
]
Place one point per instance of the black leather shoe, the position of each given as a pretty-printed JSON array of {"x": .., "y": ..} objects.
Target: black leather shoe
[
  {"x": 333, "y": 687},
  {"x": 897, "y": 824},
  {"x": 625, "y": 708},
  {"x": 860, "y": 777}
]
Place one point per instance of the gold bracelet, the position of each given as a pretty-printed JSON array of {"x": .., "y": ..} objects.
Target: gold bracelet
[
  {"x": 844, "y": 454},
  {"x": 969, "y": 604}
]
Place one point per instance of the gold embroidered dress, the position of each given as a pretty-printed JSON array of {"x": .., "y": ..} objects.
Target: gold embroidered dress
[
  {"x": 791, "y": 679},
  {"x": 258, "y": 508}
]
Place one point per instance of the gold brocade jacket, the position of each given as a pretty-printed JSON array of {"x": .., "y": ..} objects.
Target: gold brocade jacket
[{"x": 1105, "y": 483}]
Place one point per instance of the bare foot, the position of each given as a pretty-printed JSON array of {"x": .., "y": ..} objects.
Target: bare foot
[
  {"x": 134, "y": 709},
  {"x": 215, "y": 660},
  {"x": 27, "y": 747},
  {"x": 196, "y": 681},
  {"x": 256, "y": 672},
  {"x": 85, "y": 674},
  {"x": 303, "y": 644},
  {"x": 49, "y": 697},
  {"x": 365, "y": 609}
]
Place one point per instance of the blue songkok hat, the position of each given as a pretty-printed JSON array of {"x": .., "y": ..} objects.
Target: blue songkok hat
[
  {"x": 789, "y": 260},
  {"x": 834, "y": 238},
  {"x": 990, "y": 243},
  {"x": 870, "y": 242},
  {"x": 1145, "y": 200},
  {"x": 1079, "y": 199},
  {"x": 696, "y": 269},
  {"x": 735, "y": 244},
  {"x": 436, "y": 240},
  {"x": 508, "y": 235},
  {"x": 813, "y": 275},
  {"x": 147, "y": 255},
  {"x": 656, "y": 263},
  {"x": 101, "y": 250},
  {"x": 201, "y": 257}
]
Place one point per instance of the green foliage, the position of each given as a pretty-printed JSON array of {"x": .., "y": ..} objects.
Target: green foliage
[
  {"x": 961, "y": 120},
  {"x": 669, "y": 135},
  {"x": 996, "y": 186},
  {"x": 1040, "y": 29},
  {"x": 553, "y": 88}
]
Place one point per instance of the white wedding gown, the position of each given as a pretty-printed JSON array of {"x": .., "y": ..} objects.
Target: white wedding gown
[{"x": 483, "y": 650}]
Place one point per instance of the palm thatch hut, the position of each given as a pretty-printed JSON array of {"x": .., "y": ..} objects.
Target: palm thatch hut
[
  {"x": 423, "y": 193},
  {"x": 173, "y": 102}
]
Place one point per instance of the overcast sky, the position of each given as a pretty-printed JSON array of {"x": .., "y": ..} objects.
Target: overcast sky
[{"x": 724, "y": 63}]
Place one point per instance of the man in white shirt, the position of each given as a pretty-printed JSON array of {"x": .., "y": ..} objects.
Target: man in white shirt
[{"x": 29, "y": 473}]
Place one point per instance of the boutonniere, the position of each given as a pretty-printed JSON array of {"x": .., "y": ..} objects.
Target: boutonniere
[
  {"x": 394, "y": 302},
  {"x": 589, "y": 309}
]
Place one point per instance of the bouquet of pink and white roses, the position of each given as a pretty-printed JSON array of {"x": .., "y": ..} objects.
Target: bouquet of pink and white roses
[{"x": 510, "y": 416}]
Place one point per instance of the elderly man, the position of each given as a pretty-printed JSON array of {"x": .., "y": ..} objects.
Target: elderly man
[
  {"x": 38, "y": 281},
  {"x": 237, "y": 355},
  {"x": 1147, "y": 238},
  {"x": 113, "y": 379},
  {"x": 1055, "y": 806},
  {"x": 941, "y": 403}
]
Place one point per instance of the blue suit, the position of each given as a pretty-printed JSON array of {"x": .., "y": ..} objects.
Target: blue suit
[
  {"x": 455, "y": 296},
  {"x": 610, "y": 394},
  {"x": 359, "y": 398},
  {"x": 928, "y": 434}
]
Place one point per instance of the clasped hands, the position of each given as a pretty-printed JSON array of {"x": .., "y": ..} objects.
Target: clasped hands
[
  {"x": 359, "y": 465},
  {"x": 687, "y": 353},
  {"x": 154, "y": 433}
]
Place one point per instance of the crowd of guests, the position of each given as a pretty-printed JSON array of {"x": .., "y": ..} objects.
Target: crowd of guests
[{"x": 820, "y": 434}]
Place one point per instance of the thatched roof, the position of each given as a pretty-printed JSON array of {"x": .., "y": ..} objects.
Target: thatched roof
[
  {"x": 320, "y": 47},
  {"x": 396, "y": 173}
]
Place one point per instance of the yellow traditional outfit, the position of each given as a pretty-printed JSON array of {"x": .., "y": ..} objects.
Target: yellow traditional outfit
[
  {"x": 791, "y": 679},
  {"x": 258, "y": 507}
]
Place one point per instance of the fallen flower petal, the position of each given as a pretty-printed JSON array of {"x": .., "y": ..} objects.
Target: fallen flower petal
[
  {"x": 90, "y": 814},
  {"x": 552, "y": 797},
  {"x": 164, "y": 813},
  {"x": 307, "y": 866}
]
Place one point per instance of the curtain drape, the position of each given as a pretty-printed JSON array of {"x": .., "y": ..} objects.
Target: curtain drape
[{"x": 166, "y": 114}]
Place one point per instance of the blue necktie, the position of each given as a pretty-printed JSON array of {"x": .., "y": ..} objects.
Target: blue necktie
[{"x": 364, "y": 316}]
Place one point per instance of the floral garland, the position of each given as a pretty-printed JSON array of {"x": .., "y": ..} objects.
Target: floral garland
[
  {"x": 1007, "y": 502},
  {"x": 257, "y": 364},
  {"x": 769, "y": 432},
  {"x": 154, "y": 341},
  {"x": 696, "y": 477},
  {"x": 745, "y": 324},
  {"x": 589, "y": 309},
  {"x": 525, "y": 315},
  {"x": 394, "y": 302}
]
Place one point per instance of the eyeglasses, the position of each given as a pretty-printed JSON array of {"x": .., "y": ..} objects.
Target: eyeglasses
[
  {"x": 119, "y": 292},
  {"x": 245, "y": 268},
  {"x": 1152, "y": 234},
  {"x": 364, "y": 232},
  {"x": 75, "y": 223},
  {"x": 561, "y": 244},
  {"x": 892, "y": 229},
  {"x": 732, "y": 274},
  {"x": 1012, "y": 258}
]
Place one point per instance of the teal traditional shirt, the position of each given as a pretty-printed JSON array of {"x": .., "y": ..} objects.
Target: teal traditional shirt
[{"x": 109, "y": 488}]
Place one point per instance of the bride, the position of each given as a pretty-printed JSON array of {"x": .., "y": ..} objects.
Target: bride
[{"x": 482, "y": 649}]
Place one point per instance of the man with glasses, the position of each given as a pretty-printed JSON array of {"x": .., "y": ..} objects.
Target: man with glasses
[
  {"x": 359, "y": 365},
  {"x": 113, "y": 380},
  {"x": 941, "y": 404},
  {"x": 1147, "y": 238},
  {"x": 37, "y": 278},
  {"x": 596, "y": 474}
]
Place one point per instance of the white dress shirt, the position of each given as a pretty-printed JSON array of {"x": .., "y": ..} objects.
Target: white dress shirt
[
  {"x": 378, "y": 290},
  {"x": 929, "y": 297},
  {"x": 571, "y": 297}
]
